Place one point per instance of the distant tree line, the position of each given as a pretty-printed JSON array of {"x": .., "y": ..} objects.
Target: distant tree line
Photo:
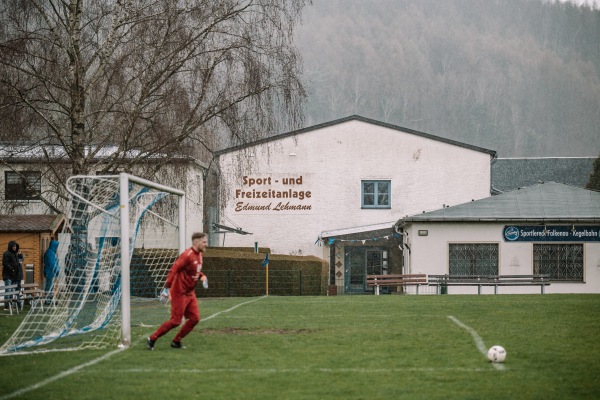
[{"x": 518, "y": 76}]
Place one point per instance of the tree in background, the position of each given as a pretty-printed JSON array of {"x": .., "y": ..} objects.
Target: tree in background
[
  {"x": 129, "y": 80},
  {"x": 521, "y": 77},
  {"x": 594, "y": 181}
]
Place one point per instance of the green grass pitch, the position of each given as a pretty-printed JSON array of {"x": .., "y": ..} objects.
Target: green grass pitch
[{"x": 339, "y": 347}]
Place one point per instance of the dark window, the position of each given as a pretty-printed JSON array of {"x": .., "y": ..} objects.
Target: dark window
[
  {"x": 562, "y": 262},
  {"x": 24, "y": 185},
  {"x": 473, "y": 259},
  {"x": 376, "y": 194}
]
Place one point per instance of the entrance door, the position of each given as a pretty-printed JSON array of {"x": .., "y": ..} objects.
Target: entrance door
[{"x": 359, "y": 262}]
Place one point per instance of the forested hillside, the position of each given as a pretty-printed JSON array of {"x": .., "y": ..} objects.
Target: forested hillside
[{"x": 518, "y": 76}]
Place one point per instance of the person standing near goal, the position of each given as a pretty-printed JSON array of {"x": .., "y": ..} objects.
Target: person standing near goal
[{"x": 181, "y": 289}]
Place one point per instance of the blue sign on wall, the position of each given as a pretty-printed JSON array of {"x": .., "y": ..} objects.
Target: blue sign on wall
[{"x": 551, "y": 233}]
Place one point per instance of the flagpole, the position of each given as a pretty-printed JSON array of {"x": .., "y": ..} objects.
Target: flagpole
[{"x": 265, "y": 264}]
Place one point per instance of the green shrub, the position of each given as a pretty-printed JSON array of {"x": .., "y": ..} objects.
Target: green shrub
[{"x": 236, "y": 272}]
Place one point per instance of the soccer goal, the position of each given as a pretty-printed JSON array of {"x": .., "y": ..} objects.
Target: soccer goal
[{"x": 120, "y": 238}]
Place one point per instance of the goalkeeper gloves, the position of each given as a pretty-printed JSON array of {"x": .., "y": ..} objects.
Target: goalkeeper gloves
[
  {"x": 165, "y": 296},
  {"x": 204, "y": 282}
]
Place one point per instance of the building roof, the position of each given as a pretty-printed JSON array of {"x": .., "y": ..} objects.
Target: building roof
[
  {"x": 356, "y": 118},
  {"x": 30, "y": 223},
  {"x": 358, "y": 229},
  {"x": 36, "y": 153},
  {"x": 512, "y": 173},
  {"x": 544, "y": 202}
]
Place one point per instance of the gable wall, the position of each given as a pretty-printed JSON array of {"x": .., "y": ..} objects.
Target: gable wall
[{"x": 424, "y": 173}]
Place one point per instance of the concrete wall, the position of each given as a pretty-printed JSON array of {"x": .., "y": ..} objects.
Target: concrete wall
[
  {"x": 425, "y": 174},
  {"x": 429, "y": 255}
]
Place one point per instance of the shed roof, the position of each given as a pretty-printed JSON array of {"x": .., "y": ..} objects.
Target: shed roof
[
  {"x": 30, "y": 223},
  {"x": 512, "y": 173},
  {"x": 544, "y": 202},
  {"x": 35, "y": 153},
  {"x": 356, "y": 118},
  {"x": 358, "y": 229}
]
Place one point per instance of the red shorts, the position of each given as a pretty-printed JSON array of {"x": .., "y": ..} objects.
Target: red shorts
[
  {"x": 181, "y": 306},
  {"x": 184, "y": 306}
]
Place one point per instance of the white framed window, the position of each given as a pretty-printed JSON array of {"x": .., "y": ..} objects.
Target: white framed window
[
  {"x": 376, "y": 194},
  {"x": 23, "y": 185}
]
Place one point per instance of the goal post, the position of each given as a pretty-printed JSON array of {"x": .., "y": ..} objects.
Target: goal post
[
  {"x": 121, "y": 235},
  {"x": 124, "y": 180}
]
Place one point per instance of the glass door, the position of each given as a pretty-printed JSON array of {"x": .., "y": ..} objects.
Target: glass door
[
  {"x": 354, "y": 266},
  {"x": 359, "y": 262}
]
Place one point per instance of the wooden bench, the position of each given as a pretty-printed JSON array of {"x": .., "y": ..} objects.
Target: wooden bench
[
  {"x": 9, "y": 295},
  {"x": 33, "y": 293},
  {"x": 489, "y": 280},
  {"x": 396, "y": 280}
]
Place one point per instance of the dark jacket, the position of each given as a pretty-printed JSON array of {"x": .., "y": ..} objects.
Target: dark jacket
[
  {"x": 51, "y": 260},
  {"x": 10, "y": 263},
  {"x": 20, "y": 259}
]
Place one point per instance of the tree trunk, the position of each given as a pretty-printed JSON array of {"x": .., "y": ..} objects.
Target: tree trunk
[{"x": 76, "y": 89}]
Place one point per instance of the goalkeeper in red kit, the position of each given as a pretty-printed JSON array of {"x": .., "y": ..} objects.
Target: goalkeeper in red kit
[{"x": 181, "y": 287}]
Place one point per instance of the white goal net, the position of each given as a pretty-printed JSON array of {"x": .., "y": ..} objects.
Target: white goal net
[{"x": 121, "y": 236}]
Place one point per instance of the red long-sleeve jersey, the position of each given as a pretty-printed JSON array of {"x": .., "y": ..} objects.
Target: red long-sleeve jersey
[{"x": 185, "y": 272}]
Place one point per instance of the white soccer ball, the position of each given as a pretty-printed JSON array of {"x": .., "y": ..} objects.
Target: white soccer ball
[{"x": 496, "y": 354}]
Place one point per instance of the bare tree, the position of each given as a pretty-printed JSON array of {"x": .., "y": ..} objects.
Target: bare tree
[{"x": 147, "y": 77}]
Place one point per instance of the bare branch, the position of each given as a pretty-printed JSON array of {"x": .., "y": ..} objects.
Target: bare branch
[{"x": 150, "y": 79}]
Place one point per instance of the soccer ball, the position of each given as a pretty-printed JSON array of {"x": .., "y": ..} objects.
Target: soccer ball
[{"x": 496, "y": 354}]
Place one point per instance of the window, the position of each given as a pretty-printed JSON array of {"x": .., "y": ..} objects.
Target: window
[
  {"x": 562, "y": 262},
  {"x": 24, "y": 185},
  {"x": 473, "y": 259},
  {"x": 376, "y": 194}
]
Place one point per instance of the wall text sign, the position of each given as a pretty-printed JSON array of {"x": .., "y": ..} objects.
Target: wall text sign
[
  {"x": 551, "y": 233},
  {"x": 274, "y": 193}
]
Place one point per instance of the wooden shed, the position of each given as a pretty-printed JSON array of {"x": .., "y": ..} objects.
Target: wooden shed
[{"x": 33, "y": 234}]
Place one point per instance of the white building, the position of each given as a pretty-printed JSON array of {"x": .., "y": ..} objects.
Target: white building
[
  {"x": 26, "y": 175},
  {"x": 549, "y": 228},
  {"x": 347, "y": 182}
]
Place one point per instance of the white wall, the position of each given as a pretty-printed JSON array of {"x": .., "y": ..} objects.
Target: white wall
[
  {"x": 424, "y": 174},
  {"x": 429, "y": 255}
]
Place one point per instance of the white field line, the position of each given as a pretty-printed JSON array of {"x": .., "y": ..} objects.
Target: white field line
[
  {"x": 478, "y": 340},
  {"x": 358, "y": 316},
  {"x": 99, "y": 359},
  {"x": 290, "y": 370},
  {"x": 230, "y": 309},
  {"x": 59, "y": 376}
]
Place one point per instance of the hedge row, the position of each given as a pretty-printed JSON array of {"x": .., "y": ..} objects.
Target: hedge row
[
  {"x": 262, "y": 250},
  {"x": 233, "y": 273},
  {"x": 238, "y": 273}
]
